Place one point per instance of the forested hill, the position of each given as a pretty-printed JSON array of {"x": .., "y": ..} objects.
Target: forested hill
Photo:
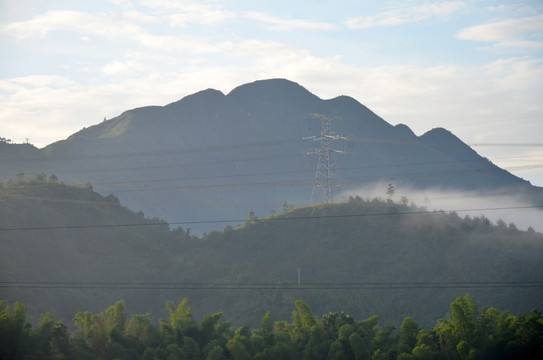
[
  {"x": 51, "y": 232},
  {"x": 70, "y": 249},
  {"x": 212, "y": 155},
  {"x": 377, "y": 256}
]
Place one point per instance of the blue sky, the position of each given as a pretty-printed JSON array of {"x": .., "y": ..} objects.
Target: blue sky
[{"x": 473, "y": 67}]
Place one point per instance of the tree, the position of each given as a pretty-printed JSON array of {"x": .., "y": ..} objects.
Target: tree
[
  {"x": 20, "y": 178},
  {"x": 408, "y": 335},
  {"x": 53, "y": 179},
  {"x": 287, "y": 207},
  {"x": 52, "y": 338},
  {"x": 390, "y": 192},
  {"x": 40, "y": 178},
  {"x": 251, "y": 219},
  {"x": 459, "y": 332},
  {"x": 427, "y": 346},
  {"x": 181, "y": 321},
  {"x": 15, "y": 331},
  {"x": 359, "y": 346},
  {"x": 239, "y": 343},
  {"x": 208, "y": 328},
  {"x": 307, "y": 319},
  {"x": 267, "y": 331},
  {"x": 115, "y": 318},
  {"x": 142, "y": 332}
]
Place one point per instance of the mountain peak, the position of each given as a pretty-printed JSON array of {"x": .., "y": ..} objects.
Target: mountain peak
[
  {"x": 441, "y": 136},
  {"x": 273, "y": 92},
  {"x": 404, "y": 130},
  {"x": 203, "y": 96},
  {"x": 269, "y": 85}
]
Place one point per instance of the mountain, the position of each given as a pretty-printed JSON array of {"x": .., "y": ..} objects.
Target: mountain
[
  {"x": 212, "y": 157},
  {"x": 70, "y": 249},
  {"x": 61, "y": 242}
]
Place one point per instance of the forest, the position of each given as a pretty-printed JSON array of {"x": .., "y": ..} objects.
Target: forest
[
  {"x": 68, "y": 250},
  {"x": 464, "y": 333}
]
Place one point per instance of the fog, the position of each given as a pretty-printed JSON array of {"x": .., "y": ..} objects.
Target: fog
[{"x": 505, "y": 205}]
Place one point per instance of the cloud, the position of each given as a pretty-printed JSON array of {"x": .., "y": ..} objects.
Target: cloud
[
  {"x": 119, "y": 68},
  {"x": 198, "y": 14},
  {"x": 523, "y": 32},
  {"x": 280, "y": 24},
  {"x": 182, "y": 13},
  {"x": 127, "y": 4},
  {"x": 42, "y": 25},
  {"x": 404, "y": 16},
  {"x": 500, "y": 204},
  {"x": 107, "y": 27},
  {"x": 470, "y": 100},
  {"x": 421, "y": 97},
  {"x": 140, "y": 17},
  {"x": 39, "y": 81}
]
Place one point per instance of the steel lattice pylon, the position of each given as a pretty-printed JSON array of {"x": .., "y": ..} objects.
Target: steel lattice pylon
[{"x": 327, "y": 174}]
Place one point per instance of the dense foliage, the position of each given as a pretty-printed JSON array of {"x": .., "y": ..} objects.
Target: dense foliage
[
  {"x": 465, "y": 333},
  {"x": 84, "y": 241}
]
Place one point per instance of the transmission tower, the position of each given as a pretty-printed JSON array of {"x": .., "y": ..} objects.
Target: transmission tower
[{"x": 327, "y": 174}]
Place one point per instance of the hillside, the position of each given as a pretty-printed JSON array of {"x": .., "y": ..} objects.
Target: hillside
[
  {"x": 71, "y": 249},
  {"x": 49, "y": 234},
  {"x": 211, "y": 156},
  {"x": 418, "y": 257}
]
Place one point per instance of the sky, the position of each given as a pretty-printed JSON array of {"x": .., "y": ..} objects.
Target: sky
[{"x": 472, "y": 67}]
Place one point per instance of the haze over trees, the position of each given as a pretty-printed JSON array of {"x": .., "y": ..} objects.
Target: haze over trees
[{"x": 67, "y": 248}]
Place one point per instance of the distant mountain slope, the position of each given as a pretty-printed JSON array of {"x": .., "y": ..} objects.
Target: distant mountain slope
[
  {"x": 211, "y": 156},
  {"x": 71, "y": 249},
  {"x": 50, "y": 232},
  {"x": 390, "y": 259}
]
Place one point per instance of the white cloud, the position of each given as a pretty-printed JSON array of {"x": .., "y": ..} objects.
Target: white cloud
[
  {"x": 127, "y": 4},
  {"x": 182, "y": 13},
  {"x": 140, "y": 17},
  {"x": 41, "y": 81},
  {"x": 403, "y": 16},
  {"x": 198, "y": 14},
  {"x": 467, "y": 100},
  {"x": 42, "y": 25},
  {"x": 122, "y": 68},
  {"x": 107, "y": 27},
  {"x": 276, "y": 23},
  {"x": 523, "y": 32},
  {"x": 493, "y": 205}
]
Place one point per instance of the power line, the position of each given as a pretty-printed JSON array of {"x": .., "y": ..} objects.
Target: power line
[
  {"x": 351, "y": 180},
  {"x": 128, "y": 154},
  {"x": 346, "y": 181},
  {"x": 508, "y": 144},
  {"x": 267, "y": 158},
  {"x": 227, "y": 147},
  {"x": 467, "y": 194},
  {"x": 183, "y": 165},
  {"x": 271, "y": 219},
  {"x": 268, "y": 285}
]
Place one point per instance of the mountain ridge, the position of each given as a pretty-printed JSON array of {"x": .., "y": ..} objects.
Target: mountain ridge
[{"x": 246, "y": 148}]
